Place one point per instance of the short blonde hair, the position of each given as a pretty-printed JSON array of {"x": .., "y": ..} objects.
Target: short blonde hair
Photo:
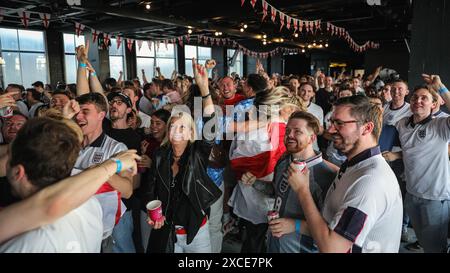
[{"x": 185, "y": 117}]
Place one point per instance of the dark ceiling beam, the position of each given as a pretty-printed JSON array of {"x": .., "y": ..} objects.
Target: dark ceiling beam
[{"x": 148, "y": 17}]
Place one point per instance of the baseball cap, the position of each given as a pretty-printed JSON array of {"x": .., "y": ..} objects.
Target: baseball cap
[{"x": 121, "y": 95}]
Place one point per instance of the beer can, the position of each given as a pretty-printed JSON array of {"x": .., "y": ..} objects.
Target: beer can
[
  {"x": 272, "y": 215},
  {"x": 299, "y": 165},
  {"x": 6, "y": 112}
]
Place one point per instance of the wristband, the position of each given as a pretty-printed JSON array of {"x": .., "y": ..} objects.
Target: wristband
[
  {"x": 82, "y": 65},
  {"x": 442, "y": 90},
  {"x": 204, "y": 97},
  {"x": 119, "y": 165},
  {"x": 94, "y": 74},
  {"x": 297, "y": 225}
]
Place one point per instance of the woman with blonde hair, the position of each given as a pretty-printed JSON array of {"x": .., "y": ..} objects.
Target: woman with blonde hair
[{"x": 178, "y": 178}]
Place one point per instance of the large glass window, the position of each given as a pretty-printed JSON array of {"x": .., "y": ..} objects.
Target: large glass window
[
  {"x": 25, "y": 56},
  {"x": 71, "y": 41},
  {"x": 198, "y": 52},
  {"x": 117, "y": 59},
  {"x": 237, "y": 62},
  {"x": 148, "y": 59}
]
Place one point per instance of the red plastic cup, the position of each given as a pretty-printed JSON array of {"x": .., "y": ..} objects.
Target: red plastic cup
[
  {"x": 154, "y": 210},
  {"x": 299, "y": 165},
  {"x": 272, "y": 215}
]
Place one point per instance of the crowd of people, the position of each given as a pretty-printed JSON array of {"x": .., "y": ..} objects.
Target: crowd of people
[{"x": 345, "y": 163}]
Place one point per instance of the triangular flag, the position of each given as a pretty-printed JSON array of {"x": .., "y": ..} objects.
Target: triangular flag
[
  {"x": 253, "y": 3},
  {"x": 295, "y": 25},
  {"x": 79, "y": 28},
  {"x": 288, "y": 22},
  {"x": 130, "y": 44},
  {"x": 188, "y": 38},
  {"x": 265, "y": 7},
  {"x": 180, "y": 41},
  {"x": 24, "y": 17},
  {"x": 273, "y": 13},
  {"x": 118, "y": 41},
  {"x": 139, "y": 44},
  {"x": 165, "y": 44},
  {"x": 45, "y": 17},
  {"x": 242, "y": 2},
  {"x": 281, "y": 19},
  {"x": 149, "y": 44},
  {"x": 106, "y": 39},
  {"x": 157, "y": 45},
  {"x": 94, "y": 35}
]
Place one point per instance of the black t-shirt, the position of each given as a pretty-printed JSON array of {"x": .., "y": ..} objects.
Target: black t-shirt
[
  {"x": 132, "y": 140},
  {"x": 6, "y": 196},
  {"x": 324, "y": 100}
]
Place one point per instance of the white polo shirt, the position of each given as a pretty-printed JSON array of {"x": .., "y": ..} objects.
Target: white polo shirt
[
  {"x": 79, "y": 231},
  {"x": 146, "y": 119},
  {"x": 364, "y": 204},
  {"x": 391, "y": 116},
  {"x": 425, "y": 154},
  {"x": 102, "y": 149}
]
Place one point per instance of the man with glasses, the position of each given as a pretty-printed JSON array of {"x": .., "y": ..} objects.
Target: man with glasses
[{"x": 363, "y": 208}]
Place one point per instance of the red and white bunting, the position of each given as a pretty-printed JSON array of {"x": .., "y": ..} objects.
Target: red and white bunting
[
  {"x": 139, "y": 44},
  {"x": 45, "y": 17},
  {"x": 95, "y": 34},
  {"x": 253, "y": 2},
  {"x": 180, "y": 41},
  {"x": 157, "y": 45},
  {"x": 24, "y": 17},
  {"x": 301, "y": 23},
  {"x": 295, "y": 25},
  {"x": 106, "y": 39},
  {"x": 118, "y": 41},
  {"x": 224, "y": 41},
  {"x": 288, "y": 22},
  {"x": 281, "y": 19},
  {"x": 130, "y": 43},
  {"x": 265, "y": 7},
  {"x": 273, "y": 13},
  {"x": 188, "y": 38},
  {"x": 165, "y": 44},
  {"x": 318, "y": 24},
  {"x": 79, "y": 28},
  {"x": 242, "y": 3}
]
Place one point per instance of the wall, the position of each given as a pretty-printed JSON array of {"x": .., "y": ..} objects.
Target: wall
[
  {"x": 430, "y": 39},
  {"x": 393, "y": 55},
  {"x": 55, "y": 51}
]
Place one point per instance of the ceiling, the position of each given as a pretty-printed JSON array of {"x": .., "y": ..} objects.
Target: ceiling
[{"x": 170, "y": 18}]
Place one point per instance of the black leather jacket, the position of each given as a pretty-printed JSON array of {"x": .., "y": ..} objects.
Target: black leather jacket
[{"x": 196, "y": 185}]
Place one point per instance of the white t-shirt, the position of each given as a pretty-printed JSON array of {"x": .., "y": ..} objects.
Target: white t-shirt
[
  {"x": 146, "y": 106},
  {"x": 79, "y": 231},
  {"x": 33, "y": 108},
  {"x": 365, "y": 206},
  {"x": 23, "y": 108},
  {"x": 391, "y": 117},
  {"x": 317, "y": 111},
  {"x": 146, "y": 119}
]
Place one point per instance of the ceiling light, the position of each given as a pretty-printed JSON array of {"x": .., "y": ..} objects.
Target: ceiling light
[
  {"x": 296, "y": 35},
  {"x": 245, "y": 26},
  {"x": 147, "y": 6},
  {"x": 314, "y": 44},
  {"x": 326, "y": 45},
  {"x": 303, "y": 50},
  {"x": 264, "y": 43},
  {"x": 190, "y": 31},
  {"x": 264, "y": 36},
  {"x": 320, "y": 46},
  {"x": 281, "y": 40},
  {"x": 242, "y": 29},
  {"x": 309, "y": 46},
  {"x": 216, "y": 33}
]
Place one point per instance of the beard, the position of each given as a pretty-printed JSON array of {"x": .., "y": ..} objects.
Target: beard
[
  {"x": 116, "y": 116},
  {"x": 346, "y": 145}
]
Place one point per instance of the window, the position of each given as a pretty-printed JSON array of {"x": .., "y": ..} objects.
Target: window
[
  {"x": 237, "y": 65},
  {"x": 25, "y": 56},
  {"x": 200, "y": 53},
  {"x": 117, "y": 59},
  {"x": 71, "y": 41},
  {"x": 150, "y": 58}
]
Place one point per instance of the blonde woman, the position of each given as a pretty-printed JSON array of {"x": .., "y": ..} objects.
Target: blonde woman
[{"x": 178, "y": 178}]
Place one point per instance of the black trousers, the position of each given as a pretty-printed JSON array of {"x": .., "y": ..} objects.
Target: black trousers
[{"x": 254, "y": 239}]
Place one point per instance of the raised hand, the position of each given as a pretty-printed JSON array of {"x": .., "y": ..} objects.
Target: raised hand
[
  {"x": 71, "y": 109},
  {"x": 200, "y": 76},
  {"x": 433, "y": 81},
  {"x": 7, "y": 100},
  {"x": 248, "y": 178},
  {"x": 82, "y": 52},
  {"x": 128, "y": 159}
]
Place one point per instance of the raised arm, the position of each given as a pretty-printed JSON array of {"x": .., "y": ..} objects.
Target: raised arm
[
  {"x": 120, "y": 79},
  {"x": 144, "y": 78},
  {"x": 435, "y": 83},
  {"x": 55, "y": 201},
  {"x": 82, "y": 81}
]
